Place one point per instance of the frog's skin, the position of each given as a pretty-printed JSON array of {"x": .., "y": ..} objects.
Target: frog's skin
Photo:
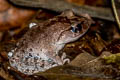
[{"x": 38, "y": 49}]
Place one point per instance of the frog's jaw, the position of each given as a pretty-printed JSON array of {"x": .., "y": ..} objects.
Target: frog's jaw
[{"x": 72, "y": 38}]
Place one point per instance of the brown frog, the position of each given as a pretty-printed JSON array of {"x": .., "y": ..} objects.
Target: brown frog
[{"x": 38, "y": 49}]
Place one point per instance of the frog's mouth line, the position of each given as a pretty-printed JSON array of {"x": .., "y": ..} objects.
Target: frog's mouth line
[{"x": 75, "y": 35}]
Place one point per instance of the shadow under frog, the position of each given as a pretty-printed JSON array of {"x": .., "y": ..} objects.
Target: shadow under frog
[{"x": 38, "y": 49}]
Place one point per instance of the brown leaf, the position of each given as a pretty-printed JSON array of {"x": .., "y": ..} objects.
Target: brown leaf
[{"x": 11, "y": 16}]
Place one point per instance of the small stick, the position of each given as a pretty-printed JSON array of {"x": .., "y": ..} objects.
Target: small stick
[
  {"x": 115, "y": 13},
  {"x": 62, "y": 5}
]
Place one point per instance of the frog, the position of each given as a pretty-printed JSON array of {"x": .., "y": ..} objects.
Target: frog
[{"x": 39, "y": 48}]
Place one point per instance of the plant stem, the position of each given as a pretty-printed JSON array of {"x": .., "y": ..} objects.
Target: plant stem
[{"x": 115, "y": 13}]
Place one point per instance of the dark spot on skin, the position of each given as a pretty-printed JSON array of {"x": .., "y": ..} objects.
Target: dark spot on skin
[
  {"x": 42, "y": 65},
  {"x": 33, "y": 71},
  {"x": 12, "y": 61},
  {"x": 36, "y": 67},
  {"x": 26, "y": 63},
  {"x": 30, "y": 54},
  {"x": 31, "y": 34},
  {"x": 40, "y": 58},
  {"x": 27, "y": 70},
  {"x": 23, "y": 51},
  {"x": 38, "y": 54},
  {"x": 53, "y": 63},
  {"x": 38, "y": 41},
  {"x": 36, "y": 58},
  {"x": 24, "y": 39},
  {"x": 13, "y": 58},
  {"x": 27, "y": 58},
  {"x": 31, "y": 49},
  {"x": 18, "y": 56}
]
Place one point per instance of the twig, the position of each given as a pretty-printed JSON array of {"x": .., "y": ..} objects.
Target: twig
[
  {"x": 77, "y": 74},
  {"x": 16, "y": 75},
  {"x": 115, "y": 13},
  {"x": 61, "y": 5}
]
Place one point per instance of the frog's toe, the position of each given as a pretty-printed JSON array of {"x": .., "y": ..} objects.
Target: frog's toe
[
  {"x": 54, "y": 65},
  {"x": 63, "y": 56},
  {"x": 66, "y": 61}
]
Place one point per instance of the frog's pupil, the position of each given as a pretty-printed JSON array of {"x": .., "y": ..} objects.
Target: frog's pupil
[{"x": 79, "y": 27}]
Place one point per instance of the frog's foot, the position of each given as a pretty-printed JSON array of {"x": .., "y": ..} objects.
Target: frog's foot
[
  {"x": 64, "y": 59},
  {"x": 54, "y": 65},
  {"x": 32, "y": 24}
]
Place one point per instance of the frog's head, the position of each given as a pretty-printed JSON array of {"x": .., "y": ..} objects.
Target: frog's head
[{"x": 77, "y": 27}]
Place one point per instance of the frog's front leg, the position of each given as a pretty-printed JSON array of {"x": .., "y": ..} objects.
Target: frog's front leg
[
  {"x": 64, "y": 59},
  {"x": 61, "y": 60}
]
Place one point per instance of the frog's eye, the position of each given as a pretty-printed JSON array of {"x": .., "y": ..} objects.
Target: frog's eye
[
  {"x": 76, "y": 28},
  {"x": 73, "y": 29},
  {"x": 79, "y": 27}
]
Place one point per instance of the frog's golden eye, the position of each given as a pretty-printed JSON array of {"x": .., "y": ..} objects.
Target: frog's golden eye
[{"x": 76, "y": 28}]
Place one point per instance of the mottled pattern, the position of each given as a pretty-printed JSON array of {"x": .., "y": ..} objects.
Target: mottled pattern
[{"x": 38, "y": 49}]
